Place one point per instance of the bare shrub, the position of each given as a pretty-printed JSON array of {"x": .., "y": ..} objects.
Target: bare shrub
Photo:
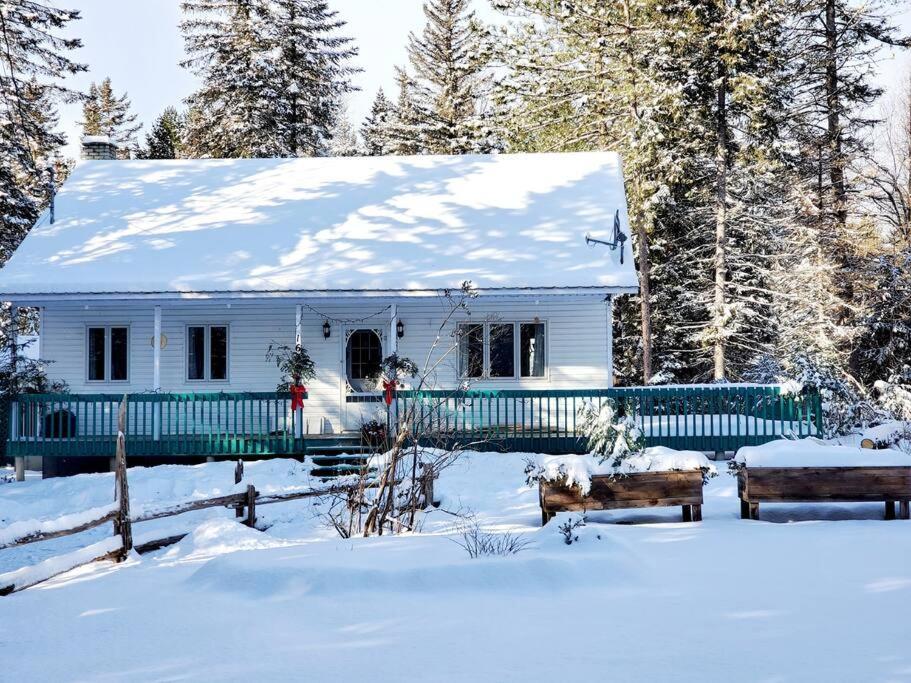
[{"x": 479, "y": 543}]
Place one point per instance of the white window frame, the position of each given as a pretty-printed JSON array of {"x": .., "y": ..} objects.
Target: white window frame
[
  {"x": 107, "y": 353},
  {"x": 516, "y": 350},
  {"x": 207, "y": 358}
]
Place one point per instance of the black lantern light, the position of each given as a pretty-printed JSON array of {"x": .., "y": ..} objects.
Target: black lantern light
[
  {"x": 400, "y": 329},
  {"x": 327, "y": 330}
]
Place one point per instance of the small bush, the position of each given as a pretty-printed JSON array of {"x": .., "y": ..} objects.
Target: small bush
[
  {"x": 479, "y": 543},
  {"x": 568, "y": 529}
]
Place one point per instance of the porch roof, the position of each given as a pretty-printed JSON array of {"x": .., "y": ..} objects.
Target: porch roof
[{"x": 356, "y": 224}]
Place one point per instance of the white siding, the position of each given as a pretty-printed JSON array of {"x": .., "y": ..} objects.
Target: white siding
[{"x": 576, "y": 342}]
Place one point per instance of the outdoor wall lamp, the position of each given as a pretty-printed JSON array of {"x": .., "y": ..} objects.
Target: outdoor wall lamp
[
  {"x": 400, "y": 329},
  {"x": 327, "y": 330}
]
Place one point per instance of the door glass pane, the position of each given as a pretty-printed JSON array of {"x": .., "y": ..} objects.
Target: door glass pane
[
  {"x": 531, "y": 349},
  {"x": 471, "y": 350},
  {"x": 119, "y": 351},
  {"x": 96, "y": 353},
  {"x": 218, "y": 352},
  {"x": 502, "y": 351},
  {"x": 364, "y": 353},
  {"x": 196, "y": 352}
]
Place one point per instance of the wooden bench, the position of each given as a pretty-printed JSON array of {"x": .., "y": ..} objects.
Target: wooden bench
[
  {"x": 639, "y": 490},
  {"x": 880, "y": 484}
]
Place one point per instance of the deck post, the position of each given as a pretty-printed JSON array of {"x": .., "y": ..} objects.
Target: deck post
[
  {"x": 393, "y": 334},
  {"x": 156, "y": 373},
  {"x": 609, "y": 323},
  {"x": 20, "y": 468},
  {"x": 298, "y": 341},
  {"x": 13, "y": 336}
]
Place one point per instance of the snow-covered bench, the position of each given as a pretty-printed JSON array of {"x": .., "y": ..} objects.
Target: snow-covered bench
[
  {"x": 811, "y": 471},
  {"x": 659, "y": 477}
]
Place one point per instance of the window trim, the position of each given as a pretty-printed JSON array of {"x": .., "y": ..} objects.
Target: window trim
[
  {"x": 207, "y": 359},
  {"x": 107, "y": 353},
  {"x": 516, "y": 350}
]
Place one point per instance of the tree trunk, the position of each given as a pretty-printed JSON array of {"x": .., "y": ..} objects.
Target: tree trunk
[
  {"x": 721, "y": 223},
  {"x": 834, "y": 132},
  {"x": 642, "y": 223}
]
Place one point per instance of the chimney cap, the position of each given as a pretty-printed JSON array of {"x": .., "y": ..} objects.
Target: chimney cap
[{"x": 97, "y": 139}]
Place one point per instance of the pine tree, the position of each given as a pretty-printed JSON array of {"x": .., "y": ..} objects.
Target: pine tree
[
  {"x": 449, "y": 66},
  {"x": 312, "y": 74},
  {"x": 104, "y": 113},
  {"x": 273, "y": 76},
  {"x": 376, "y": 129},
  {"x": 164, "y": 140},
  {"x": 33, "y": 66},
  {"x": 343, "y": 141},
  {"x": 230, "y": 115},
  {"x": 408, "y": 124}
]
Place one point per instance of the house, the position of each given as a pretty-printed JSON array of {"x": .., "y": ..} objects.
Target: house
[{"x": 174, "y": 277}]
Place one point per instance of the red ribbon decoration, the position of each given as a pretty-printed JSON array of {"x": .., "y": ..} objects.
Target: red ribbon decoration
[
  {"x": 297, "y": 396},
  {"x": 389, "y": 386}
]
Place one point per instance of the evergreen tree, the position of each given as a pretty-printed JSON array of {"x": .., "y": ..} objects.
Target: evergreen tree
[
  {"x": 164, "y": 140},
  {"x": 376, "y": 129},
  {"x": 104, "y": 113},
  {"x": 343, "y": 141},
  {"x": 33, "y": 66},
  {"x": 449, "y": 65},
  {"x": 312, "y": 74},
  {"x": 231, "y": 113},
  {"x": 408, "y": 123},
  {"x": 273, "y": 74}
]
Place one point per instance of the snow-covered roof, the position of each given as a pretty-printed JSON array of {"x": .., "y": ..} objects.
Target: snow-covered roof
[{"x": 372, "y": 224}]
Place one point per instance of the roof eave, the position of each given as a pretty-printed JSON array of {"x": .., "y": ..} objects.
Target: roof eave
[{"x": 41, "y": 297}]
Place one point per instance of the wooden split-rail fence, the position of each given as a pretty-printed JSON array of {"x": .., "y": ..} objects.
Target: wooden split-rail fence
[{"x": 244, "y": 503}]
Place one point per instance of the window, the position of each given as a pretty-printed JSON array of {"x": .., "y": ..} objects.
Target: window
[
  {"x": 502, "y": 350},
  {"x": 531, "y": 349},
  {"x": 363, "y": 355},
  {"x": 107, "y": 354},
  {"x": 207, "y": 353},
  {"x": 471, "y": 350}
]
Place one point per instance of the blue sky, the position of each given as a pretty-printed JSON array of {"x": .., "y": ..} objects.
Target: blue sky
[{"x": 137, "y": 44}]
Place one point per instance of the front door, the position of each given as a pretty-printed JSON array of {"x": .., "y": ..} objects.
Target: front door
[{"x": 362, "y": 353}]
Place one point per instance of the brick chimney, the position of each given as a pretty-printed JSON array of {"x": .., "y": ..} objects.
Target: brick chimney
[{"x": 98, "y": 147}]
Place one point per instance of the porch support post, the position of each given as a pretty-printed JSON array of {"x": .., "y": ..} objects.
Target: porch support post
[
  {"x": 13, "y": 336},
  {"x": 156, "y": 372},
  {"x": 609, "y": 321},
  {"x": 298, "y": 341},
  {"x": 393, "y": 334}
]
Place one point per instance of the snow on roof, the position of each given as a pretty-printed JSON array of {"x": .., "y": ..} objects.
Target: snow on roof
[{"x": 329, "y": 224}]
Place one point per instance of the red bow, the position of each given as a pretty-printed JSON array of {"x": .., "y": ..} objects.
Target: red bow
[
  {"x": 297, "y": 396},
  {"x": 389, "y": 386}
]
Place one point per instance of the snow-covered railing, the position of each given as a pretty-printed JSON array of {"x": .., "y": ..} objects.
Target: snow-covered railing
[
  {"x": 157, "y": 424},
  {"x": 708, "y": 417}
]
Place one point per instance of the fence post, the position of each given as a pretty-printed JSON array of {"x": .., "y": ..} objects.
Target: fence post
[
  {"x": 238, "y": 477},
  {"x": 251, "y": 506},
  {"x": 123, "y": 526}
]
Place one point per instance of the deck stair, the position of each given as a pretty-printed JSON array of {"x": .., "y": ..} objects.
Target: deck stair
[{"x": 336, "y": 454}]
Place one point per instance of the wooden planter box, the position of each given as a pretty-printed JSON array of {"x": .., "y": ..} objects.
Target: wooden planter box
[
  {"x": 887, "y": 485},
  {"x": 639, "y": 490}
]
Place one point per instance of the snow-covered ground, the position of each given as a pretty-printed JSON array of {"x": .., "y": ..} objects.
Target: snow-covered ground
[{"x": 809, "y": 593}]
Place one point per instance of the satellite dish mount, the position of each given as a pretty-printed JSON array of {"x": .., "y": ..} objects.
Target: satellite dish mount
[{"x": 618, "y": 241}]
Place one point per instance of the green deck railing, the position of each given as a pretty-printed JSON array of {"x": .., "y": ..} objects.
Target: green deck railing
[
  {"x": 157, "y": 424},
  {"x": 699, "y": 417}
]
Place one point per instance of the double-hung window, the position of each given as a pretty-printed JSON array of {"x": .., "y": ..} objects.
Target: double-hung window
[
  {"x": 502, "y": 350},
  {"x": 108, "y": 353},
  {"x": 207, "y": 353}
]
